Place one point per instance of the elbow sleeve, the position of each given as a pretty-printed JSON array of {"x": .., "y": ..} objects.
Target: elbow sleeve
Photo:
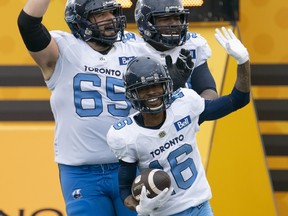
[
  {"x": 126, "y": 176},
  {"x": 240, "y": 99},
  {"x": 34, "y": 34}
]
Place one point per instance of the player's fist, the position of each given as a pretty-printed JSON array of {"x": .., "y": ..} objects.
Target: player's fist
[{"x": 232, "y": 45}]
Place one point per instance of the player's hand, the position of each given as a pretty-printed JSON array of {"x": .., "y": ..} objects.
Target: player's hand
[
  {"x": 181, "y": 70},
  {"x": 232, "y": 45},
  {"x": 148, "y": 205}
]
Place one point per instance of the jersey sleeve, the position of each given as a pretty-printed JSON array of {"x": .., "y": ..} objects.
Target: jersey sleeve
[
  {"x": 202, "y": 49},
  {"x": 195, "y": 102},
  {"x": 121, "y": 145},
  {"x": 68, "y": 46},
  {"x": 62, "y": 39}
]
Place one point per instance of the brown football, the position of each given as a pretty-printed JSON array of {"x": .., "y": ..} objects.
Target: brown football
[{"x": 155, "y": 181}]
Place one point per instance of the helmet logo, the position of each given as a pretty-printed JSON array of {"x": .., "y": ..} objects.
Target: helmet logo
[
  {"x": 148, "y": 33},
  {"x": 88, "y": 31},
  {"x": 78, "y": 17},
  {"x": 108, "y": 3},
  {"x": 170, "y": 8}
]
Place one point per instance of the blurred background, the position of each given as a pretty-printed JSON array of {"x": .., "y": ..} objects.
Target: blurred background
[{"x": 245, "y": 154}]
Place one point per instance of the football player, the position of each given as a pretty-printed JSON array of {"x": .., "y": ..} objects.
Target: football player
[
  {"x": 163, "y": 26},
  {"x": 162, "y": 134},
  {"x": 83, "y": 71}
]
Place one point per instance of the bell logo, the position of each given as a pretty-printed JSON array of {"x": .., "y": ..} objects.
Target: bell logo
[
  {"x": 182, "y": 123},
  {"x": 123, "y": 60}
]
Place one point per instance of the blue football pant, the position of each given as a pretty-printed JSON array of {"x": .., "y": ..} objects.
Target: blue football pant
[{"x": 92, "y": 190}]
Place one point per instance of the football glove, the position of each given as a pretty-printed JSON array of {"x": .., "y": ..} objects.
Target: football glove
[
  {"x": 181, "y": 70},
  {"x": 148, "y": 205},
  {"x": 232, "y": 45}
]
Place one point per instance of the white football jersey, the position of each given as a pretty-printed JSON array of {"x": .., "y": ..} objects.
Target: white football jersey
[
  {"x": 196, "y": 44},
  {"x": 87, "y": 98},
  {"x": 172, "y": 148}
]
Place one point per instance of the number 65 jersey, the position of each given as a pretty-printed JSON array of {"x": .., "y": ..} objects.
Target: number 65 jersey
[
  {"x": 87, "y": 97},
  {"x": 172, "y": 148}
]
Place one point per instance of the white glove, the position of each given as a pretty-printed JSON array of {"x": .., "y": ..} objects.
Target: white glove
[
  {"x": 148, "y": 205},
  {"x": 232, "y": 45}
]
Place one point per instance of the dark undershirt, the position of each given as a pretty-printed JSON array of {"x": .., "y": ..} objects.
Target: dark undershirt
[
  {"x": 201, "y": 79},
  {"x": 139, "y": 120}
]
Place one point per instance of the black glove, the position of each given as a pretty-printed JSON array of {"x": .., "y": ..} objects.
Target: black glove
[{"x": 181, "y": 70}]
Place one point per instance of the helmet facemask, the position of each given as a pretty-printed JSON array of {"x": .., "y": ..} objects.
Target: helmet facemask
[
  {"x": 97, "y": 29},
  {"x": 77, "y": 13},
  {"x": 162, "y": 37},
  {"x": 141, "y": 104},
  {"x": 169, "y": 36},
  {"x": 143, "y": 72}
]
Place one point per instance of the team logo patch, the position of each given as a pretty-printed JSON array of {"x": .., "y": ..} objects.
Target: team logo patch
[
  {"x": 123, "y": 60},
  {"x": 129, "y": 36},
  {"x": 76, "y": 194},
  {"x": 193, "y": 53},
  {"x": 162, "y": 134},
  {"x": 102, "y": 59},
  {"x": 182, "y": 123}
]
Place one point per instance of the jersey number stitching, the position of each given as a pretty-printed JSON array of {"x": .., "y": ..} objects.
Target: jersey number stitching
[
  {"x": 97, "y": 98},
  {"x": 177, "y": 169}
]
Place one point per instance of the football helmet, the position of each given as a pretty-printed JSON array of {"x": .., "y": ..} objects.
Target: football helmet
[
  {"x": 144, "y": 71},
  {"x": 78, "y": 11},
  {"x": 145, "y": 13}
]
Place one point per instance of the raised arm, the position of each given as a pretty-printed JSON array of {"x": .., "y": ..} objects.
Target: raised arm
[
  {"x": 236, "y": 49},
  {"x": 240, "y": 95},
  {"x": 42, "y": 47}
]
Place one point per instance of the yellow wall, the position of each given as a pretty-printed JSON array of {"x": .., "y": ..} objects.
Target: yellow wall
[
  {"x": 12, "y": 49},
  {"x": 264, "y": 30},
  {"x": 263, "y": 25},
  {"x": 237, "y": 169},
  {"x": 29, "y": 176}
]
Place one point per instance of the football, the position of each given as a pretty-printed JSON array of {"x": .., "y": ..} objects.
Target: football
[{"x": 155, "y": 180}]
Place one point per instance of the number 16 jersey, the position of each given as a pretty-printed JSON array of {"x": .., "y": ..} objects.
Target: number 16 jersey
[{"x": 172, "y": 148}]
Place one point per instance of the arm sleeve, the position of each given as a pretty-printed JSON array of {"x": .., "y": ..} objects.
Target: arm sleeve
[
  {"x": 126, "y": 176},
  {"x": 202, "y": 79},
  {"x": 222, "y": 106},
  {"x": 34, "y": 34}
]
